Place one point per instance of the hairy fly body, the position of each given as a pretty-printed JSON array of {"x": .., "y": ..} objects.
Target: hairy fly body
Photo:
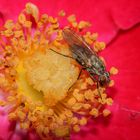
[{"x": 86, "y": 57}]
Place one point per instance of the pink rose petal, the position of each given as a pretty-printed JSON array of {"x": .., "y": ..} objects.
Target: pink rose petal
[{"x": 5, "y": 127}]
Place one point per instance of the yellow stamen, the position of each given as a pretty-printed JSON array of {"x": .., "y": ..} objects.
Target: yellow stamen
[
  {"x": 111, "y": 83},
  {"x": 83, "y": 121},
  {"x": 98, "y": 46},
  {"x": 76, "y": 128},
  {"x": 2, "y": 103},
  {"x": 109, "y": 101},
  {"x": 9, "y": 24},
  {"x": 71, "y": 101},
  {"x": 33, "y": 10},
  {"x": 71, "y": 18},
  {"x": 94, "y": 112},
  {"x": 62, "y": 13},
  {"x": 83, "y": 24},
  {"x": 106, "y": 112},
  {"x": 62, "y": 131},
  {"x": 89, "y": 95},
  {"x": 113, "y": 71},
  {"x": 22, "y": 18}
]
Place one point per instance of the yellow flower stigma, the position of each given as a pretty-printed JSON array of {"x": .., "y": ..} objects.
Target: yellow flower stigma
[{"x": 40, "y": 86}]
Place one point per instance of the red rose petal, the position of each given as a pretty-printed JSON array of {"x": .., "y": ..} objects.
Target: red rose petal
[
  {"x": 124, "y": 54},
  {"x": 124, "y": 123},
  {"x": 126, "y": 13}
]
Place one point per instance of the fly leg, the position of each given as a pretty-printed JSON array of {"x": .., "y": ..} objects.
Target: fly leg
[
  {"x": 94, "y": 79},
  {"x": 80, "y": 73},
  {"x": 74, "y": 59},
  {"x": 77, "y": 79},
  {"x": 99, "y": 90},
  {"x": 62, "y": 54}
]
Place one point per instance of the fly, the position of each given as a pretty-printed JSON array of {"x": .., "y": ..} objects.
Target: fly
[{"x": 86, "y": 57}]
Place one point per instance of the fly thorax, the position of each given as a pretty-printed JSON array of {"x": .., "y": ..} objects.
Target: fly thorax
[
  {"x": 95, "y": 61},
  {"x": 89, "y": 63}
]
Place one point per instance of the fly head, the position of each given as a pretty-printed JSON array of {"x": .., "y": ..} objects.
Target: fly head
[{"x": 104, "y": 79}]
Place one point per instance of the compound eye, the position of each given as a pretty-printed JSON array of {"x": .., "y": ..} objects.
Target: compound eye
[{"x": 102, "y": 80}]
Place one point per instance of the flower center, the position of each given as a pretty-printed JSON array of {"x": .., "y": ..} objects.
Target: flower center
[
  {"x": 48, "y": 75},
  {"x": 24, "y": 87}
]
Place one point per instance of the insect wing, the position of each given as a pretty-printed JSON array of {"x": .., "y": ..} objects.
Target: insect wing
[
  {"x": 79, "y": 48},
  {"x": 72, "y": 38},
  {"x": 86, "y": 57},
  {"x": 83, "y": 53}
]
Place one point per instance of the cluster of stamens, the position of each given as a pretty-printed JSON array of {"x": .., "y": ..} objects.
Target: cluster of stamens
[{"x": 40, "y": 87}]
